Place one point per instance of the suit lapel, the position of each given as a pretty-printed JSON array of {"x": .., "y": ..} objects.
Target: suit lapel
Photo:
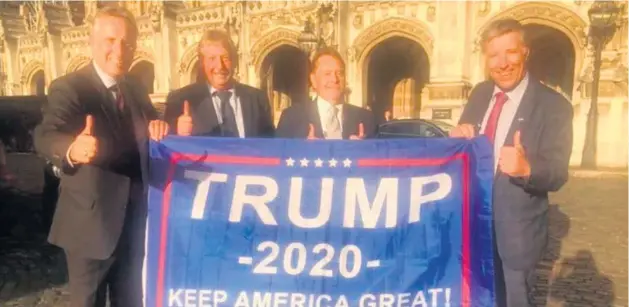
[
  {"x": 203, "y": 113},
  {"x": 525, "y": 109},
  {"x": 485, "y": 96},
  {"x": 105, "y": 101},
  {"x": 350, "y": 121},
  {"x": 140, "y": 125},
  {"x": 314, "y": 118},
  {"x": 246, "y": 106}
]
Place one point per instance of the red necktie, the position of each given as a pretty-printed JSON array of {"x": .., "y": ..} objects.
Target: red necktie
[
  {"x": 492, "y": 121},
  {"x": 119, "y": 99}
]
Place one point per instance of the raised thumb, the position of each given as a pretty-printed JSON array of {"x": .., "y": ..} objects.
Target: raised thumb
[
  {"x": 186, "y": 108},
  {"x": 361, "y": 130},
  {"x": 89, "y": 123},
  {"x": 517, "y": 142},
  {"x": 311, "y": 132}
]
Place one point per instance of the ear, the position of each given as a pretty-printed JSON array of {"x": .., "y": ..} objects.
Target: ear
[{"x": 312, "y": 80}]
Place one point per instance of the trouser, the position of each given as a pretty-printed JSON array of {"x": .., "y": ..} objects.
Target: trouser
[
  {"x": 120, "y": 275},
  {"x": 512, "y": 286}
]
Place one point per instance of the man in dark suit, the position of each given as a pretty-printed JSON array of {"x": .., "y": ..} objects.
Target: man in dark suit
[
  {"x": 530, "y": 127},
  {"x": 328, "y": 116},
  {"x": 221, "y": 106},
  {"x": 95, "y": 129}
]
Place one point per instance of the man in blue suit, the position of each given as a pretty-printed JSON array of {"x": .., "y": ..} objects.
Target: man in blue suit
[{"x": 530, "y": 127}]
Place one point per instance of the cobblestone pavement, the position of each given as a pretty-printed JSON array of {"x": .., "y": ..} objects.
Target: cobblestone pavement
[{"x": 586, "y": 262}]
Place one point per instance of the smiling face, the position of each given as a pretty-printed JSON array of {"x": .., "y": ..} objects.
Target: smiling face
[
  {"x": 328, "y": 79},
  {"x": 217, "y": 65},
  {"x": 506, "y": 57},
  {"x": 113, "y": 43}
]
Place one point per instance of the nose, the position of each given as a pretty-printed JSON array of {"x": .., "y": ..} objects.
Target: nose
[{"x": 503, "y": 62}]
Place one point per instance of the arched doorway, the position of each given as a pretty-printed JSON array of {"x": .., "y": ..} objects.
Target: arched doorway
[
  {"x": 397, "y": 69},
  {"x": 38, "y": 83},
  {"x": 552, "y": 57},
  {"x": 145, "y": 72},
  {"x": 284, "y": 77}
]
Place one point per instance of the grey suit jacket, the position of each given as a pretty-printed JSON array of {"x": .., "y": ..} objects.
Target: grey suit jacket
[
  {"x": 520, "y": 206},
  {"x": 93, "y": 197}
]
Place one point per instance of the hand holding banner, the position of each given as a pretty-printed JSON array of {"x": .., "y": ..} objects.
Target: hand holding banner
[{"x": 276, "y": 222}]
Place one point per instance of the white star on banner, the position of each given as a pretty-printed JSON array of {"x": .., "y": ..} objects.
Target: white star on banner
[
  {"x": 347, "y": 162},
  {"x": 304, "y": 162},
  {"x": 333, "y": 162},
  {"x": 290, "y": 162},
  {"x": 318, "y": 162}
]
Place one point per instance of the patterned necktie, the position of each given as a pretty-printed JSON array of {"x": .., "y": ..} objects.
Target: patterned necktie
[
  {"x": 492, "y": 121},
  {"x": 229, "y": 127},
  {"x": 118, "y": 99},
  {"x": 333, "y": 127}
]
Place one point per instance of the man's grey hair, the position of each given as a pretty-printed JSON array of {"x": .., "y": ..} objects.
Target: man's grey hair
[{"x": 501, "y": 27}]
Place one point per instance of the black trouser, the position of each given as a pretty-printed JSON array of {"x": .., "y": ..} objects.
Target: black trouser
[{"x": 120, "y": 274}]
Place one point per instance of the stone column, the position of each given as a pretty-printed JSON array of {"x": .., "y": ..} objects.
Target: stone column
[{"x": 450, "y": 67}]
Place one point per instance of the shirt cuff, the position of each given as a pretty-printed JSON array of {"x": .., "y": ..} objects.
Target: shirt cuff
[{"x": 68, "y": 155}]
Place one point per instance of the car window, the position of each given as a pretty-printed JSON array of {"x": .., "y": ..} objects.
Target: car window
[{"x": 408, "y": 129}]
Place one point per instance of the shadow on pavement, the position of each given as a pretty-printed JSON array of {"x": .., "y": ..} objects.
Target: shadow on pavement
[{"x": 28, "y": 264}]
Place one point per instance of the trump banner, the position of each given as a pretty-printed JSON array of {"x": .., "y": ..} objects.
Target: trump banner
[{"x": 309, "y": 223}]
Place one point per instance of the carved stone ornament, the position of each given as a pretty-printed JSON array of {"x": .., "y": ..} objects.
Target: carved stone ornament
[
  {"x": 156, "y": 15},
  {"x": 431, "y": 12},
  {"x": 483, "y": 8},
  {"x": 358, "y": 21}
]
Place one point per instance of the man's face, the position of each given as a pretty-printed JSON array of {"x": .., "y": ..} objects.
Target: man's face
[
  {"x": 328, "y": 79},
  {"x": 506, "y": 59},
  {"x": 217, "y": 65},
  {"x": 113, "y": 44}
]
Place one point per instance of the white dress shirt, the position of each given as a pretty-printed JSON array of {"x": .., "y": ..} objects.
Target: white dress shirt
[
  {"x": 234, "y": 101},
  {"x": 323, "y": 106},
  {"x": 507, "y": 115},
  {"x": 108, "y": 80}
]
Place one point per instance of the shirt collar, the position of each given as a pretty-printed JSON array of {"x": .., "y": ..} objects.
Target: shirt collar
[
  {"x": 107, "y": 80},
  {"x": 324, "y": 105},
  {"x": 214, "y": 91},
  {"x": 517, "y": 92}
]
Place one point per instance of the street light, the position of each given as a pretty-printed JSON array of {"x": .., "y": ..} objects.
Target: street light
[
  {"x": 308, "y": 40},
  {"x": 602, "y": 15}
]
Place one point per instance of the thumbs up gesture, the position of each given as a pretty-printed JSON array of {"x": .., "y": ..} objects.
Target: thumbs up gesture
[
  {"x": 85, "y": 145},
  {"x": 512, "y": 160},
  {"x": 184, "y": 121},
  {"x": 361, "y": 133},
  {"x": 311, "y": 132}
]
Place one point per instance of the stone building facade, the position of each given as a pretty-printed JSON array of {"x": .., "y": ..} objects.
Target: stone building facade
[{"x": 413, "y": 59}]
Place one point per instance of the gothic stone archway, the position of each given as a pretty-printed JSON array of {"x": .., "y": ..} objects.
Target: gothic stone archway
[
  {"x": 407, "y": 45},
  {"x": 34, "y": 78},
  {"x": 269, "y": 42}
]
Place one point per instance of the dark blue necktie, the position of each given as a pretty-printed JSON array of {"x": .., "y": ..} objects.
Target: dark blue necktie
[{"x": 228, "y": 127}]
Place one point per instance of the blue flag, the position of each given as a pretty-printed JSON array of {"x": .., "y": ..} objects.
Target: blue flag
[{"x": 276, "y": 222}]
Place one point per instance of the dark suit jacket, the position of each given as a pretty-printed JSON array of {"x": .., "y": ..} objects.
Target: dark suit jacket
[
  {"x": 91, "y": 209},
  {"x": 256, "y": 110},
  {"x": 296, "y": 119},
  {"x": 520, "y": 206}
]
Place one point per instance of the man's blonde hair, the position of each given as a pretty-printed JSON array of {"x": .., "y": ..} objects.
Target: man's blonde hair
[
  {"x": 119, "y": 12},
  {"x": 221, "y": 37},
  {"x": 501, "y": 27}
]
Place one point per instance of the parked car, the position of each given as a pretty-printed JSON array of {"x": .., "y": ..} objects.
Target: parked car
[{"x": 413, "y": 128}]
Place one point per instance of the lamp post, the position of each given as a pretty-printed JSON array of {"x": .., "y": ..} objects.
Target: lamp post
[
  {"x": 308, "y": 39},
  {"x": 602, "y": 15}
]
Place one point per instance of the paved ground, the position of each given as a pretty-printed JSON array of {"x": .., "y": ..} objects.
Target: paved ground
[{"x": 586, "y": 263}]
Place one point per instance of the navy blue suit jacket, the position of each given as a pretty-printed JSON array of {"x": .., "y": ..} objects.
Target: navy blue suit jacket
[{"x": 520, "y": 206}]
